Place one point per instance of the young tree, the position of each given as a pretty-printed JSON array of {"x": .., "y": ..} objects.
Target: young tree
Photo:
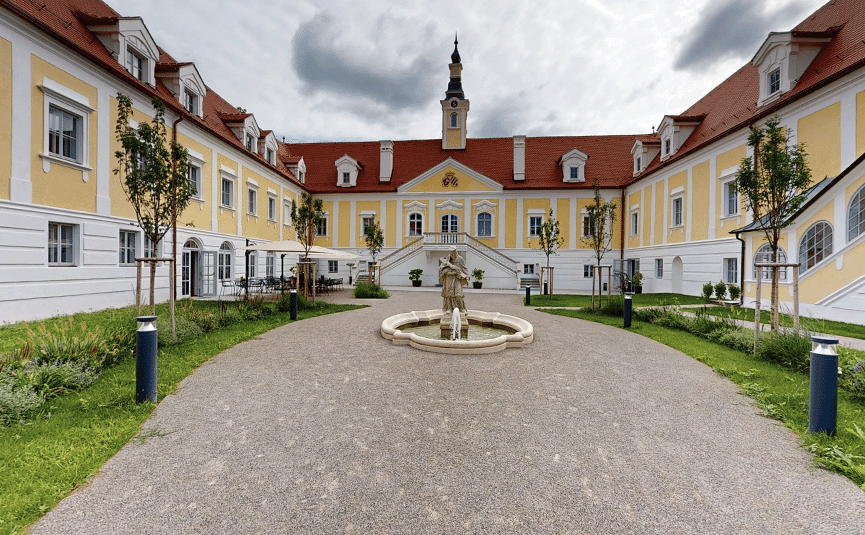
[
  {"x": 599, "y": 236},
  {"x": 549, "y": 241},
  {"x": 306, "y": 214},
  {"x": 373, "y": 238},
  {"x": 772, "y": 184},
  {"x": 153, "y": 173}
]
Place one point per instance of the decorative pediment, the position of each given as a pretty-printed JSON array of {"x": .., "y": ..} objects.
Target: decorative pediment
[
  {"x": 449, "y": 204},
  {"x": 450, "y": 176},
  {"x": 484, "y": 206},
  {"x": 782, "y": 59},
  {"x": 415, "y": 206}
]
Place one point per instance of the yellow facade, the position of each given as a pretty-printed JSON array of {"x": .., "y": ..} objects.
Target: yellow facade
[
  {"x": 700, "y": 201},
  {"x": 821, "y": 134},
  {"x": 679, "y": 180},
  {"x": 659, "y": 213},
  {"x": 198, "y": 214},
  {"x": 5, "y": 119},
  {"x": 62, "y": 186},
  {"x": 563, "y": 215},
  {"x": 344, "y": 223},
  {"x": 390, "y": 231},
  {"x": 443, "y": 182},
  {"x": 326, "y": 241},
  {"x": 227, "y": 217},
  {"x": 533, "y": 205},
  {"x": 510, "y": 224},
  {"x": 439, "y": 213},
  {"x": 647, "y": 215},
  {"x": 257, "y": 225},
  {"x": 727, "y": 160},
  {"x": 453, "y": 138},
  {"x": 491, "y": 241},
  {"x": 633, "y": 201},
  {"x": 360, "y": 208},
  {"x": 851, "y": 190}
]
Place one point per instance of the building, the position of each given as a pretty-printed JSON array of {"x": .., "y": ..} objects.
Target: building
[{"x": 67, "y": 232}]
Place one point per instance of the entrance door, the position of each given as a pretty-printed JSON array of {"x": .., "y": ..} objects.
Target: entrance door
[
  {"x": 450, "y": 227},
  {"x": 189, "y": 270},
  {"x": 207, "y": 274},
  {"x": 677, "y": 275}
]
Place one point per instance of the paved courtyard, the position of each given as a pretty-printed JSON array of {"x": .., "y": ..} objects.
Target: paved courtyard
[{"x": 322, "y": 426}]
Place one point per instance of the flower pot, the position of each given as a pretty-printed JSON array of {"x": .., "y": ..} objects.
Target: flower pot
[
  {"x": 477, "y": 284},
  {"x": 416, "y": 283},
  {"x": 638, "y": 289}
]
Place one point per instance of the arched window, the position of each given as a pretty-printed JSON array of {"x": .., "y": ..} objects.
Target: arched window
[
  {"x": 450, "y": 226},
  {"x": 815, "y": 245},
  {"x": 454, "y": 120},
  {"x": 415, "y": 224},
  {"x": 763, "y": 256},
  {"x": 485, "y": 224},
  {"x": 224, "y": 261},
  {"x": 856, "y": 215}
]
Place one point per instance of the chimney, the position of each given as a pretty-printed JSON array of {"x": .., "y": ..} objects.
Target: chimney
[
  {"x": 519, "y": 158},
  {"x": 385, "y": 164}
]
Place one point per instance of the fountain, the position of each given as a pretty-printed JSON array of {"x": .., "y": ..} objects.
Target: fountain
[{"x": 460, "y": 331}]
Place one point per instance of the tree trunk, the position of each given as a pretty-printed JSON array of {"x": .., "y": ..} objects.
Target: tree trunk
[
  {"x": 775, "y": 299},
  {"x": 152, "y": 287}
]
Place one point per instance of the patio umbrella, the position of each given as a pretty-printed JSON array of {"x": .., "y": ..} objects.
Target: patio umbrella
[{"x": 331, "y": 254}]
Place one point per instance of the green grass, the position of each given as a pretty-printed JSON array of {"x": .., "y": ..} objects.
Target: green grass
[
  {"x": 837, "y": 328},
  {"x": 639, "y": 300},
  {"x": 74, "y": 434},
  {"x": 780, "y": 393}
]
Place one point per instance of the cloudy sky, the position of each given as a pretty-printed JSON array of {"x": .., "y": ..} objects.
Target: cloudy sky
[{"x": 332, "y": 70}]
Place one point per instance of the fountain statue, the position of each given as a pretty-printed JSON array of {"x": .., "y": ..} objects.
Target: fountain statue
[{"x": 453, "y": 275}]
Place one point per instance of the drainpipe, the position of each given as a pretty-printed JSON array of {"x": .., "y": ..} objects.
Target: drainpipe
[
  {"x": 172, "y": 290},
  {"x": 622, "y": 229},
  {"x": 741, "y": 272}
]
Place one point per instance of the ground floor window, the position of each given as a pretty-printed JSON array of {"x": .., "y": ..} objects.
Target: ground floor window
[
  {"x": 61, "y": 244},
  {"x": 731, "y": 270},
  {"x": 127, "y": 247},
  {"x": 224, "y": 261},
  {"x": 588, "y": 271},
  {"x": 659, "y": 268},
  {"x": 251, "y": 260},
  {"x": 528, "y": 269},
  {"x": 332, "y": 266},
  {"x": 268, "y": 265}
]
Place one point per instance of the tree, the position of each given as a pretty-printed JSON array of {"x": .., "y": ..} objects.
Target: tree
[
  {"x": 153, "y": 173},
  {"x": 306, "y": 215},
  {"x": 549, "y": 241},
  {"x": 373, "y": 238},
  {"x": 772, "y": 184},
  {"x": 598, "y": 236}
]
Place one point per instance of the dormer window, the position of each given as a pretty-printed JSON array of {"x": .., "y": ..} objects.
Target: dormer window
[
  {"x": 774, "y": 81},
  {"x": 575, "y": 174},
  {"x": 136, "y": 64},
  {"x": 346, "y": 178},
  {"x": 783, "y": 58},
  {"x": 637, "y": 165},
  {"x": 347, "y": 169},
  {"x": 667, "y": 146},
  {"x": 249, "y": 142},
  {"x": 644, "y": 151},
  {"x": 190, "y": 102},
  {"x": 269, "y": 156},
  {"x": 572, "y": 163},
  {"x": 300, "y": 176}
]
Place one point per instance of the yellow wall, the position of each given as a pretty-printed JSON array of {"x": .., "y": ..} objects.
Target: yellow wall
[
  {"x": 226, "y": 218},
  {"x": 700, "y": 201},
  {"x": 464, "y": 182},
  {"x": 365, "y": 206},
  {"x": 326, "y": 241},
  {"x": 731, "y": 158},
  {"x": 533, "y": 204},
  {"x": 390, "y": 231},
  {"x": 659, "y": 213},
  {"x": 63, "y": 186},
  {"x": 197, "y": 214},
  {"x": 452, "y": 137},
  {"x": 472, "y": 226},
  {"x": 5, "y": 118},
  {"x": 647, "y": 214},
  {"x": 344, "y": 223},
  {"x": 821, "y": 134},
  {"x": 677, "y": 235},
  {"x": 849, "y": 192},
  {"x": 578, "y": 223},
  {"x": 633, "y": 200},
  {"x": 257, "y": 226},
  {"x": 828, "y": 278},
  {"x": 510, "y": 224},
  {"x": 860, "y": 123},
  {"x": 563, "y": 215}
]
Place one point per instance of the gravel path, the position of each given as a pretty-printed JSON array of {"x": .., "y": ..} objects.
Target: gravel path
[{"x": 322, "y": 426}]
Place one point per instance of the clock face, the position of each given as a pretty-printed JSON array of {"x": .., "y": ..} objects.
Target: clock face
[{"x": 454, "y": 104}]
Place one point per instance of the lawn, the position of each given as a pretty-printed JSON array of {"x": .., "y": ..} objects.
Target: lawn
[
  {"x": 837, "y": 328},
  {"x": 779, "y": 392},
  {"x": 639, "y": 300},
  {"x": 70, "y": 438}
]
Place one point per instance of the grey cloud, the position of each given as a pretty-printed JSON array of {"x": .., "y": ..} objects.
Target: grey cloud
[
  {"x": 734, "y": 28},
  {"x": 321, "y": 65},
  {"x": 499, "y": 121}
]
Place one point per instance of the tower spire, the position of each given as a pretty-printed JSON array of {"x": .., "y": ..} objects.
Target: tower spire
[{"x": 455, "y": 106}]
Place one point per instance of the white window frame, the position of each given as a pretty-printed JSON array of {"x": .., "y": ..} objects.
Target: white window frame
[
  {"x": 635, "y": 222},
  {"x": 322, "y": 225},
  {"x": 769, "y": 81},
  {"x": 127, "y": 253},
  {"x": 825, "y": 252},
  {"x": 333, "y": 266},
  {"x": 528, "y": 269},
  {"x": 147, "y": 249},
  {"x": 191, "y": 102},
  {"x": 409, "y": 226},
  {"x": 58, "y": 245},
  {"x": 534, "y": 231},
  {"x": 726, "y": 186},
  {"x": 366, "y": 219},
  {"x": 132, "y": 54},
  {"x": 575, "y": 173},
  {"x": 269, "y": 263},
  {"x": 856, "y": 215},
  {"x": 286, "y": 206},
  {"x": 225, "y": 261},
  {"x": 680, "y": 200},
  {"x": 64, "y": 99},
  {"x": 230, "y": 180},
  {"x": 659, "y": 268},
  {"x": 269, "y": 155},
  {"x": 251, "y": 262},
  {"x": 764, "y": 256},
  {"x": 251, "y": 200},
  {"x": 731, "y": 270},
  {"x": 196, "y": 180},
  {"x": 478, "y": 225},
  {"x": 588, "y": 271}
]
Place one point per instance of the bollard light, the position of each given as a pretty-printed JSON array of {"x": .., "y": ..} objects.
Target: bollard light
[
  {"x": 528, "y": 295},
  {"x": 823, "y": 395},
  {"x": 146, "y": 342},
  {"x": 293, "y": 292},
  {"x": 627, "y": 310}
]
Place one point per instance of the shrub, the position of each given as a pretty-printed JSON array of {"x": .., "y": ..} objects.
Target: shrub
[
  {"x": 370, "y": 291},
  {"x": 854, "y": 380},
  {"x": 614, "y": 306},
  {"x": 54, "y": 378},
  {"x": 231, "y": 315},
  {"x": 208, "y": 320},
  {"x": 738, "y": 339},
  {"x": 185, "y": 328},
  {"x": 789, "y": 349},
  {"x": 721, "y": 290},
  {"x": 734, "y": 291},
  {"x": 16, "y": 403},
  {"x": 67, "y": 342},
  {"x": 707, "y": 290}
]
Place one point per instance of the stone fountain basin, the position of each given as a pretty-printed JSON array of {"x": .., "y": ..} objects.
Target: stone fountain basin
[{"x": 523, "y": 332}]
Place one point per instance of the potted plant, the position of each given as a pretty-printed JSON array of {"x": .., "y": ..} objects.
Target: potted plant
[
  {"x": 478, "y": 274},
  {"x": 414, "y": 277},
  {"x": 637, "y": 281}
]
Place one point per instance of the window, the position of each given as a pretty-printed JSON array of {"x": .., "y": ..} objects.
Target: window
[
  {"x": 635, "y": 223},
  {"x": 346, "y": 178},
  {"x": 251, "y": 261},
  {"x": 224, "y": 261},
  {"x": 774, "y": 81},
  {"x": 248, "y": 142},
  {"x": 677, "y": 212},
  {"x": 271, "y": 208},
  {"x": 731, "y": 270},
  {"x": 454, "y": 120},
  {"x": 136, "y": 64},
  {"x": 764, "y": 256},
  {"x": 415, "y": 224},
  {"x": 332, "y": 266},
  {"x": 528, "y": 269},
  {"x": 193, "y": 173},
  {"x": 856, "y": 215},
  {"x": 268, "y": 264},
  {"x": 575, "y": 173},
  {"x": 588, "y": 271},
  {"x": 61, "y": 241},
  {"x": 450, "y": 224},
  {"x": 252, "y": 201},
  {"x": 64, "y": 134},
  {"x": 637, "y": 167},
  {"x": 270, "y": 156},
  {"x": 815, "y": 245},
  {"x": 485, "y": 224},
  {"x": 731, "y": 198},
  {"x": 300, "y": 176},
  {"x": 535, "y": 222},
  {"x": 227, "y": 193},
  {"x": 366, "y": 221},
  {"x": 321, "y": 227},
  {"x": 588, "y": 227},
  {"x": 659, "y": 268},
  {"x": 667, "y": 147},
  {"x": 127, "y": 247},
  {"x": 190, "y": 102}
]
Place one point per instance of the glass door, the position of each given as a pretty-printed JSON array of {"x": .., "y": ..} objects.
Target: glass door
[{"x": 207, "y": 280}]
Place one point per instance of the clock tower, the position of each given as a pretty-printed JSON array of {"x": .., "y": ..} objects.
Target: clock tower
[{"x": 455, "y": 106}]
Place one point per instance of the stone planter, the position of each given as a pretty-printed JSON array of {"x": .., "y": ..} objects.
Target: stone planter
[
  {"x": 416, "y": 283},
  {"x": 477, "y": 284}
]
